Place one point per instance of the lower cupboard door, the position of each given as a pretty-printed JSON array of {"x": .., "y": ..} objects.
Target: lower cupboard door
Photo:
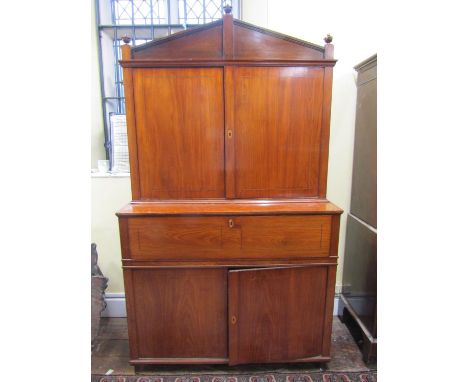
[
  {"x": 278, "y": 314},
  {"x": 177, "y": 315}
]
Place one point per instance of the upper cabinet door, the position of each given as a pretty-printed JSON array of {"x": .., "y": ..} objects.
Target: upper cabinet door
[
  {"x": 179, "y": 120},
  {"x": 274, "y": 119}
]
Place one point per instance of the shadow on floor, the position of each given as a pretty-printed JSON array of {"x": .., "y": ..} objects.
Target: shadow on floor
[{"x": 111, "y": 352}]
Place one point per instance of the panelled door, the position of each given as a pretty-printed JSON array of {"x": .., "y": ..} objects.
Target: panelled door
[
  {"x": 273, "y": 127},
  {"x": 256, "y": 315},
  {"x": 276, "y": 314},
  {"x": 271, "y": 130},
  {"x": 180, "y": 130},
  {"x": 178, "y": 313}
]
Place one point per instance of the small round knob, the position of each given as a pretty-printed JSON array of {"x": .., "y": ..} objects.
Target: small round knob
[
  {"x": 328, "y": 39},
  {"x": 126, "y": 39}
]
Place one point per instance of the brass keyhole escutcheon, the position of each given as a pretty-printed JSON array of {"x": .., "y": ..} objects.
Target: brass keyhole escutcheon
[
  {"x": 233, "y": 320},
  {"x": 231, "y": 223},
  {"x": 229, "y": 133}
]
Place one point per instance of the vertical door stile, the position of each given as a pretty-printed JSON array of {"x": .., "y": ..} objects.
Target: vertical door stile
[
  {"x": 328, "y": 316},
  {"x": 233, "y": 303},
  {"x": 131, "y": 125},
  {"x": 325, "y": 131},
  {"x": 229, "y": 134},
  {"x": 131, "y": 316}
]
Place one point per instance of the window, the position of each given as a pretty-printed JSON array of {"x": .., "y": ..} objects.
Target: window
[{"x": 143, "y": 21}]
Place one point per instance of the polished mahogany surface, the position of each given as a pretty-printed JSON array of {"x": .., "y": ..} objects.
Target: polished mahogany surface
[
  {"x": 276, "y": 314},
  {"x": 180, "y": 130},
  {"x": 182, "y": 313},
  {"x": 237, "y": 237},
  {"x": 206, "y": 42},
  {"x": 264, "y": 94},
  {"x": 228, "y": 40},
  {"x": 249, "y": 39},
  {"x": 276, "y": 127},
  {"x": 229, "y": 247},
  {"x": 230, "y": 207}
]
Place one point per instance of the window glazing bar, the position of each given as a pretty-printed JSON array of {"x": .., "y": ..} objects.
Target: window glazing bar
[
  {"x": 101, "y": 80},
  {"x": 152, "y": 21},
  {"x": 169, "y": 29}
]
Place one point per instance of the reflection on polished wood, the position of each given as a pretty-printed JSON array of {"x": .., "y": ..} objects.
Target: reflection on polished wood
[
  {"x": 210, "y": 238},
  {"x": 182, "y": 313},
  {"x": 177, "y": 161},
  {"x": 230, "y": 207},
  {"x": 229, "y": 247},
  {"x": 276, "y": 131}
]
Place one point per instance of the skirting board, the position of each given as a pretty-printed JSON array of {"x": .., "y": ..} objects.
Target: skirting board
[{"x": 116, "y": 305}]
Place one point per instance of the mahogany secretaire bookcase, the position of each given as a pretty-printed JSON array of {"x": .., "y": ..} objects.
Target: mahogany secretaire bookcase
[{"x": 229, "y": 247}]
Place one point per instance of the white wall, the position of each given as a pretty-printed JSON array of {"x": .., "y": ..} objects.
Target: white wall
[
  {"x": 108, "y": 194},
  {"x": 355, "y": 39}
]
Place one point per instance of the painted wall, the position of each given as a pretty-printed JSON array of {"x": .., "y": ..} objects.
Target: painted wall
[
  {"x": 108, "y": 194},
  {"x": 354, "y": 41}
]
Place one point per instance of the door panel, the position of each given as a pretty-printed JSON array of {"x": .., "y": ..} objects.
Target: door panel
[
  {"x": 276, "y": 314},
  {"x": 180, "y": 313},
  {"x": 180, "y": 132},
  {"x": 274, "y": 117}
]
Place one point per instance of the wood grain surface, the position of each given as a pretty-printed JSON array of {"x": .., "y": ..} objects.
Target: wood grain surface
[
  {"x": 229, "y": 247},
  {"x": 251, "y": 42},
  {"x": 230, "y": 207},
  {"x": 180, "y": 313},
  {"x": 242, "y": 237},
  {"x": 276, "y": 127},
  {"x": 276, "y": 314},
  {"x": 202, "y": 42},
  {"x": 180, "y": 125}
]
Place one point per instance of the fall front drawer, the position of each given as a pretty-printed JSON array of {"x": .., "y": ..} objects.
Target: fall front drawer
[{"x": 229, "y": 237}]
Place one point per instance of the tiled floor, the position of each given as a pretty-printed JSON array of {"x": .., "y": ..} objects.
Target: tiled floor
[{"x": 111, "y": 352}]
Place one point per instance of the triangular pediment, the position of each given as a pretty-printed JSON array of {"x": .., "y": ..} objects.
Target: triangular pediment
[
  {"x": 251, "y": 42},
  {"x": 228, "y": 39},
  {"x": 204, "y": 42}
]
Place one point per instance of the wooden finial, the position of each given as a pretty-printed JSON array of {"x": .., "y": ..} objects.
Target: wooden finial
[
  {"x": 126, "y": 39},
  {"x": 126, "y": 49},
  {"x": 329, "y": 48},
  {"x": 227, "y": 8}
]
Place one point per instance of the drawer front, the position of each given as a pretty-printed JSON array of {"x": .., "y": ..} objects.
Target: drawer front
[{"x": 229, "y": 238}]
